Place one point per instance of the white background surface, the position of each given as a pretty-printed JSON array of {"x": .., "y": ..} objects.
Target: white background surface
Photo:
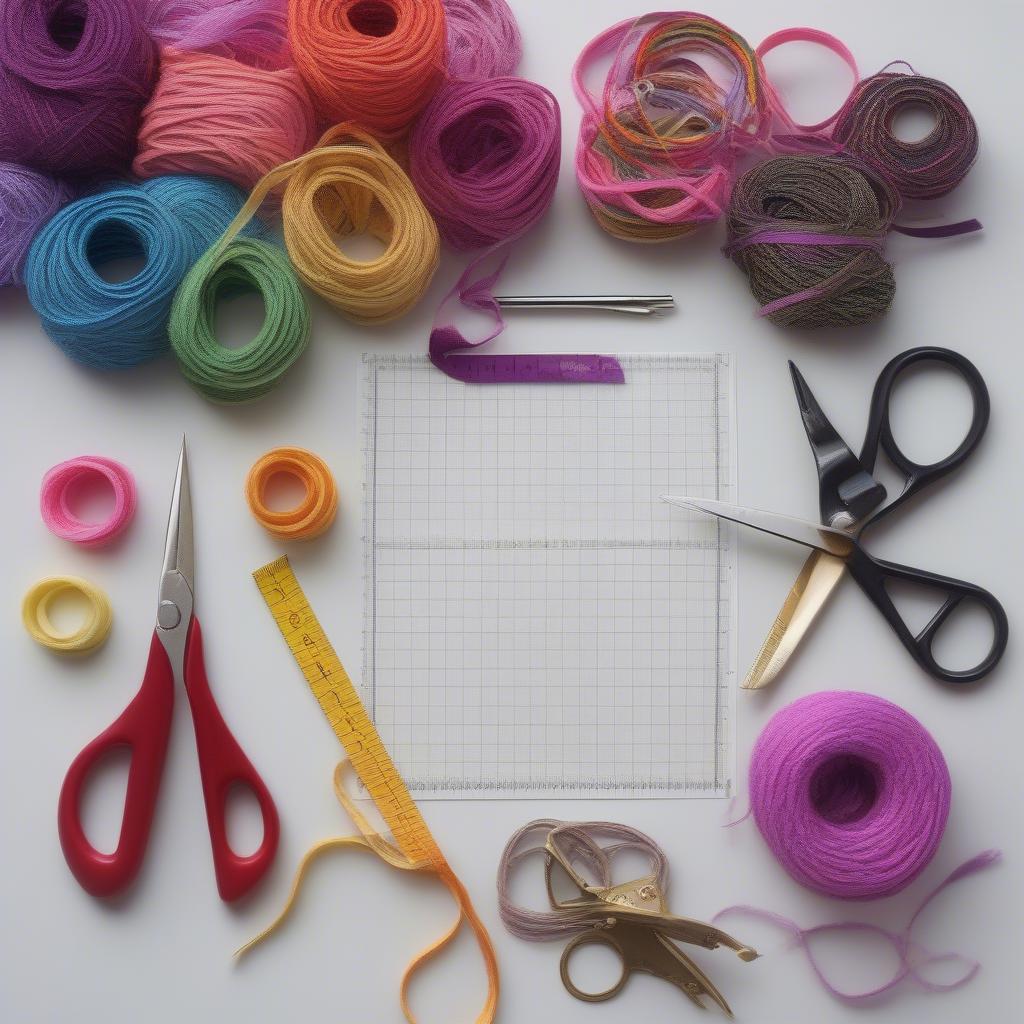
[{"x": 162, "y": 952}]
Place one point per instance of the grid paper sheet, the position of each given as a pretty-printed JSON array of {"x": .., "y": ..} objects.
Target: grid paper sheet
[{"x": 537, "y": 622}]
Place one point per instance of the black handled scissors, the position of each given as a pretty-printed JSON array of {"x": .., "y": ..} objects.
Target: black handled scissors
[{"x": 851, "y": 502}]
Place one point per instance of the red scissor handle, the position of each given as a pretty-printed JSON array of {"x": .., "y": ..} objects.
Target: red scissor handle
[
  {"x": 143, "y": 728},
  {"x": 223, "y": 764}
]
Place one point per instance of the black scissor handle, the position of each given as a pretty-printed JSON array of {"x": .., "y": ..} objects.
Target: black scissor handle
[
  {"x": 872, "y": 574},
  {"x": 879, "y": 432}
]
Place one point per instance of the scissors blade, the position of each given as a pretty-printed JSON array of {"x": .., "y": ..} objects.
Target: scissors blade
[
  {"x": 809, "y": 594},
  {"x": 179, "y": 549},
  {"x": 799, "y": 531}
]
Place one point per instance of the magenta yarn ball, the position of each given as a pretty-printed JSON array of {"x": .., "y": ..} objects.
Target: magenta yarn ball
[
  {"x": 74, "y": 77},
  {"x": 851, "y": 793}
]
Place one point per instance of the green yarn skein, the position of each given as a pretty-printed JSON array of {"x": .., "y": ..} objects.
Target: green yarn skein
[{"x": 243, "y": 374}]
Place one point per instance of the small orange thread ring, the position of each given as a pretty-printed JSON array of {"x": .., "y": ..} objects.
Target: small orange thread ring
[{"x": 314, "y": 514}]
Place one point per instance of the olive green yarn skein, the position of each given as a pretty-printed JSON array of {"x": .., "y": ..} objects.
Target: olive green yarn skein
[{"x": 247, "y": 373}]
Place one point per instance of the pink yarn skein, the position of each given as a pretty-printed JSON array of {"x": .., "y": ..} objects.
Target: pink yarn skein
[
  {"x": 56, "y": 509},
  {"x": 851, "y": 793}
]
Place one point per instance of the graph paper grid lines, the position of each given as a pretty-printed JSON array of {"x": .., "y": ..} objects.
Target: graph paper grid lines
[{"x": 537, "y": 622}]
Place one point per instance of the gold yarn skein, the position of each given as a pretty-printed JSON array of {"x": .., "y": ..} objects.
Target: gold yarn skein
[{"x": 349, "y": 185}]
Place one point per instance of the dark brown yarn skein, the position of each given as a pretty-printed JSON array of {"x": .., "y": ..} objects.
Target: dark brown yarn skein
[{"x": 777, "y": 209}]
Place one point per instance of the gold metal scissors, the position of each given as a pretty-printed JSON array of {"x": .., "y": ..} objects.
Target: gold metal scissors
[{"x": 633, "y": 920}]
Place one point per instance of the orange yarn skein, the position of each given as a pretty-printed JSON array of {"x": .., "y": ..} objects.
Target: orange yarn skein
[
  {"x": 314, "y": 514},
  {"x": 374, "y": 62}
]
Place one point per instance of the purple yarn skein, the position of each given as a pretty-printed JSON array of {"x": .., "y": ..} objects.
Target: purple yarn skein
[
  {"x": 74, "y": 77},
  {"x": 28, "y": 200},
  {"x": 851, "y": 793},
  {"x": 484, "y": 157}
]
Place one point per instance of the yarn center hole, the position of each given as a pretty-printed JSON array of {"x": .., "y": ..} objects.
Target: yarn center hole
[
  {"x": 844, "y": 788},
  {"x": 284, "y": 492},
  {"x": 67, "y": 24},
  {"x": 913, "y": 122},
  {"x": 68, "y": 611},
  {"x": 239, "y": 316},
  {"x": 90, "y": 499},
  {"x": 373, "y": 18},
  {"x": 482, "y": 140},
  {"x": 115, "y": 252}
]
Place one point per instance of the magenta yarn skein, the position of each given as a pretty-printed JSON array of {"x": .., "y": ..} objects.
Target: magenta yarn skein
[
  {"x": 851, "y": 793},
  {"x": 74, "y": 77},
  {"x": 484, "y": 157}
]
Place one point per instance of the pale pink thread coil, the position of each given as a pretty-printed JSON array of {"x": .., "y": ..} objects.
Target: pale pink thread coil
[{"x": 58, "y": 486}]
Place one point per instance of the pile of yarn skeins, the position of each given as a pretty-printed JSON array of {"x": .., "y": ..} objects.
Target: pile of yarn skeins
[{"x": 225, "y": 147}]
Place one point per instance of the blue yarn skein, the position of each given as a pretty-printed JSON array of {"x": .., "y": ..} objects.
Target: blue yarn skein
[{"x": 170, "y": 221}]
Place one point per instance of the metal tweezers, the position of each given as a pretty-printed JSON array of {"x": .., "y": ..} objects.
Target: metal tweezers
[{"x": 640, "y": 305}]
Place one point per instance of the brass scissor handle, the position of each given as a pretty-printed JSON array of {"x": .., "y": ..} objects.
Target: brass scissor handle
[{"x": 640, "y": 948}]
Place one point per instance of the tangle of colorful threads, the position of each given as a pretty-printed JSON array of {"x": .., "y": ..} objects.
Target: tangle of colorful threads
[
  {"x": 376, "y": 63},
  {"x": 484, "y": 157},
  {"x": 851, "y": 794},
  {"x": 349, "y": 185},
  {"x": 55, "y": 498},
  {"x": 35, "y": 614},
  {"x": 214, "y": 115},
  {"x": 809, "y": 232},
  {"x": 318, "y": 508},
  {"x": 28, "y": 199},
  {"x": 233, "y": 375},
  {"x": 74, "y": 77},
  {"x": 169, "y": 221},
  {"x": 657, "y": 150},
  {"x": 483, "y": 40}
]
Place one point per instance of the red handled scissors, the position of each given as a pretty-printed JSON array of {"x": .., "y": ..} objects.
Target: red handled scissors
[{"x": 175, "y": 655}]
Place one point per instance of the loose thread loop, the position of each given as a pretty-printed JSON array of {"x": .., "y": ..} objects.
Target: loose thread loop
[{"x": 913, "y": 957}]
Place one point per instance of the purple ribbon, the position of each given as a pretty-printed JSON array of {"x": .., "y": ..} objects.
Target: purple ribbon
[{"x": 447, "y": 344}]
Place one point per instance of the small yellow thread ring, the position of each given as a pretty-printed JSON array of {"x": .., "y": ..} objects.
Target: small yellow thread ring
[{"x": 88, "y": 636}]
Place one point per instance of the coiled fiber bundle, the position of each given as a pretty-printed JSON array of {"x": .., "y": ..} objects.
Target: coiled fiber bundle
[
  {"x": 925, "y": 168},
  {"x": 809, "y": 232},
  {"x": 485, "y": 157},
  {"x": 28, "y": 199},
  {"x": 169, "y": 221},
  {"x": 349, "y": 185},
  {"x": 851, "y": 794},
  {"x": 214, "y": 115},
  {"x": 375, "y": 63},
  {"x": 74, "y": 77}
]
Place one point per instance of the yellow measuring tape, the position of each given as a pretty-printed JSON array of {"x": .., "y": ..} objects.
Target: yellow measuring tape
[{"x": 414, "y": 848}]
